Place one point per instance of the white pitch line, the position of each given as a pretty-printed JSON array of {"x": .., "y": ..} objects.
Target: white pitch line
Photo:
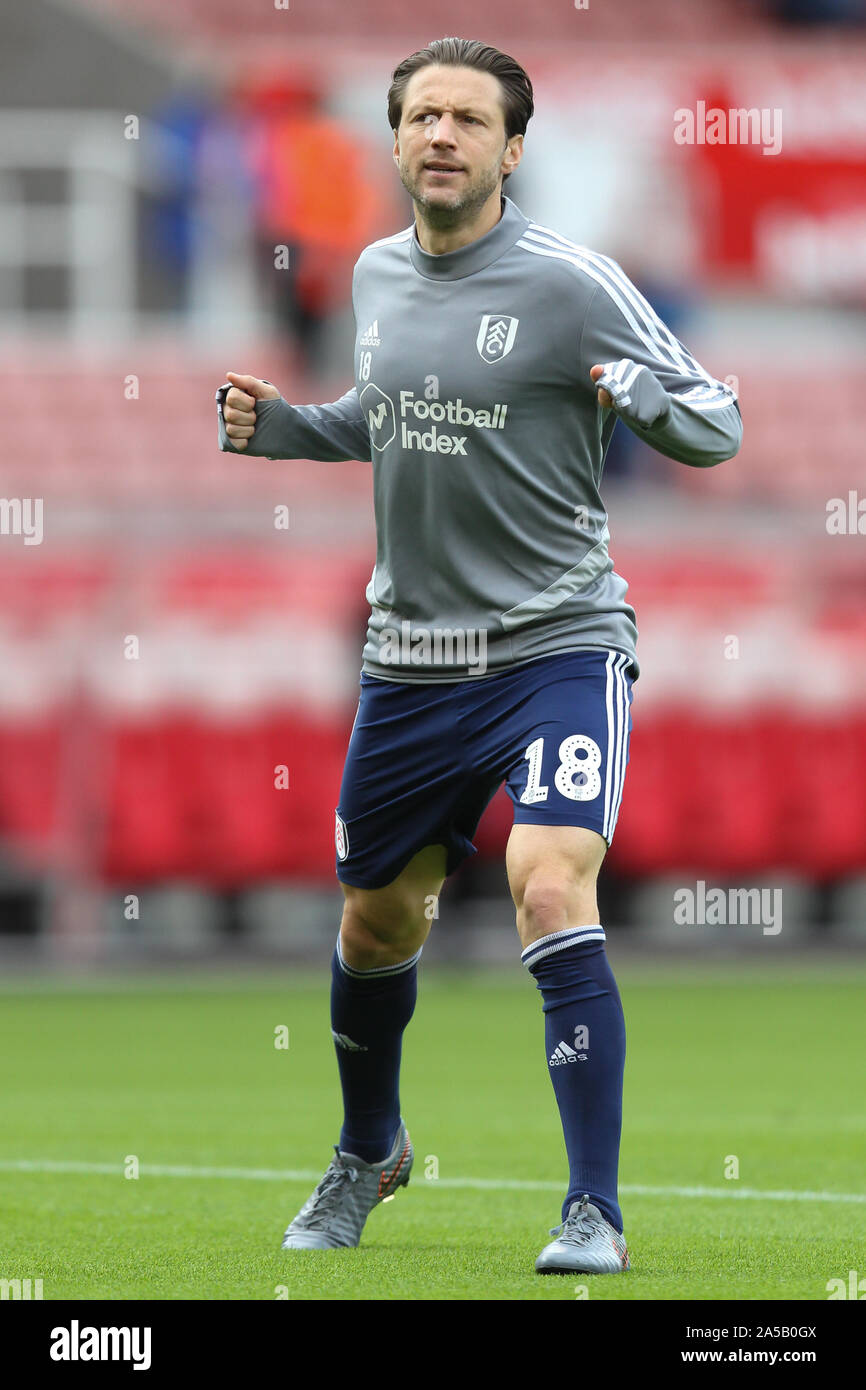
[
  {"x": 743, "y": 1193},
  {"x": 163, "y": 1170}
]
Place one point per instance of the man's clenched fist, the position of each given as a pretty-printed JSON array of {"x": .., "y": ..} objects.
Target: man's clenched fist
[
  {"x": 604, "y": 397},
  {"x": 634, "y": 392},
  {"x": 239, "y": 410}
]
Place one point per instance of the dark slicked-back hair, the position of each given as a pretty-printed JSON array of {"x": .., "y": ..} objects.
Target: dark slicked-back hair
[{"x": 468, "y": 53}]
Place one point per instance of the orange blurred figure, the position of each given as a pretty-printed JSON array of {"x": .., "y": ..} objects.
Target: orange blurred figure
[{"x": 318, "y": 194}]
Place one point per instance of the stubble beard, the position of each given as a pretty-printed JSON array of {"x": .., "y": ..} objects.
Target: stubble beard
[{"x": 445, "y": 216}]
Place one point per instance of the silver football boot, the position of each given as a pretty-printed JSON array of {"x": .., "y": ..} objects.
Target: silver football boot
[
  {"x": 585, "y": 1244},
  {"x": 334, "y": 1215}
]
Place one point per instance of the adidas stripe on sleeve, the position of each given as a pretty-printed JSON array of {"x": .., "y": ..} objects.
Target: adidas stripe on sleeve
[{"x": 659, "y": 389}]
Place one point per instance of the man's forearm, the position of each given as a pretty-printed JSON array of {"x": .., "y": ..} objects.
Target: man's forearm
[
  {"x": 699, "y": 438},
  {"x": 326, "y": 433},
  {"x": 699, "y": 427}
]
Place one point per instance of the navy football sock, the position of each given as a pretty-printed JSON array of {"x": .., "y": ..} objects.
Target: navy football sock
[
  {"x": 585, "y": 1043},
  {"x": 369, "y": 1011}
]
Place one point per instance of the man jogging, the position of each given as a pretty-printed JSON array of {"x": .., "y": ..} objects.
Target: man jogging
[{"x": 492, "y": 359}]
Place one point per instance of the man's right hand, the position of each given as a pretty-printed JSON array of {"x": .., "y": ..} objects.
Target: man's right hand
[{"x": 239, "y": 410}]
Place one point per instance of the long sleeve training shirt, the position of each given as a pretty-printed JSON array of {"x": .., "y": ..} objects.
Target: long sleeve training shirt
[{"x": 474, "y": 403}]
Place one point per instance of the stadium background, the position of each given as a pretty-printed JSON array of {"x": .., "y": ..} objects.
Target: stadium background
[
  {"x": 167, "y": 913},
  {"x": 190, "y": 622}
]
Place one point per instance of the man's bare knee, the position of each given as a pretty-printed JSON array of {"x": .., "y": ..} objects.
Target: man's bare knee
[
  {"x": 370, "y": 937},
  {"x": 552, "y": 873},
  {"x": 383, "y": 926},
  {"x": 550, "y": 903}
]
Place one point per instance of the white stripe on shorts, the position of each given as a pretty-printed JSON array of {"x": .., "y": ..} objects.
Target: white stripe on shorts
[{"x": 616, "y": 703}]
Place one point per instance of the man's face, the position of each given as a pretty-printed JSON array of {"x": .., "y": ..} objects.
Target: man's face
[{"x": 450, "y": 148}]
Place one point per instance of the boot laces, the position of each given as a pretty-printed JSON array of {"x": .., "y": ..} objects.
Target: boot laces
[
  {"x": 330, "y": 1191},
  {"x": 580, "y": 1227}
]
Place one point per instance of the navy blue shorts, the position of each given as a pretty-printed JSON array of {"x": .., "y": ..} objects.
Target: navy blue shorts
[{"x": 424, "y": 760}]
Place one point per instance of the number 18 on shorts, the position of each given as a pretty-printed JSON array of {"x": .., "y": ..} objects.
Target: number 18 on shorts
[{"x": 424, "y": 760}]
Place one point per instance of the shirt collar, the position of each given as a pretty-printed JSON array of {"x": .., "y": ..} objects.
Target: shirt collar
[{"x": 454, "y": 265}]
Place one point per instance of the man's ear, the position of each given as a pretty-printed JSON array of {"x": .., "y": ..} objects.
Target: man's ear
[
  {"x": 513, "y": 154},
  {"x": 396, "y": 150}
]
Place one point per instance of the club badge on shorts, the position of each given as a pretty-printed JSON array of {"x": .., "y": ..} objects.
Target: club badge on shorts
[{"x": 341, "y": 837}]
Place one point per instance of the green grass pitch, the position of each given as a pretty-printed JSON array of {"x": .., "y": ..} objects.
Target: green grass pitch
[{"x": 763, "y": 1063}]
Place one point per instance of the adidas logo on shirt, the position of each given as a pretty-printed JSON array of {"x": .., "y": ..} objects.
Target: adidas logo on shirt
[{"x": 370, "y": 337}]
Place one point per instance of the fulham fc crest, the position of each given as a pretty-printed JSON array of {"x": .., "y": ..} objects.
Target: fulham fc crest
[
  {"x": 341, "y": 837},
  {"x": 496, "y": 336}
]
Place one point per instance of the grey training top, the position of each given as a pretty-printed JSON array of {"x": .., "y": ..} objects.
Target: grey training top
[{"x": 473, "y": 400}]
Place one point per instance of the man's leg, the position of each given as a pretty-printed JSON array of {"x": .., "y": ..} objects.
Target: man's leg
[
  {"x": 372, "y": 998},
  {"x": 373, "y": 991},
  {"x": 552, "y": 873}
]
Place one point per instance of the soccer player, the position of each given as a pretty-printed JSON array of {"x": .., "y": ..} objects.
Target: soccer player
[{"x": 492, "y": 359}]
